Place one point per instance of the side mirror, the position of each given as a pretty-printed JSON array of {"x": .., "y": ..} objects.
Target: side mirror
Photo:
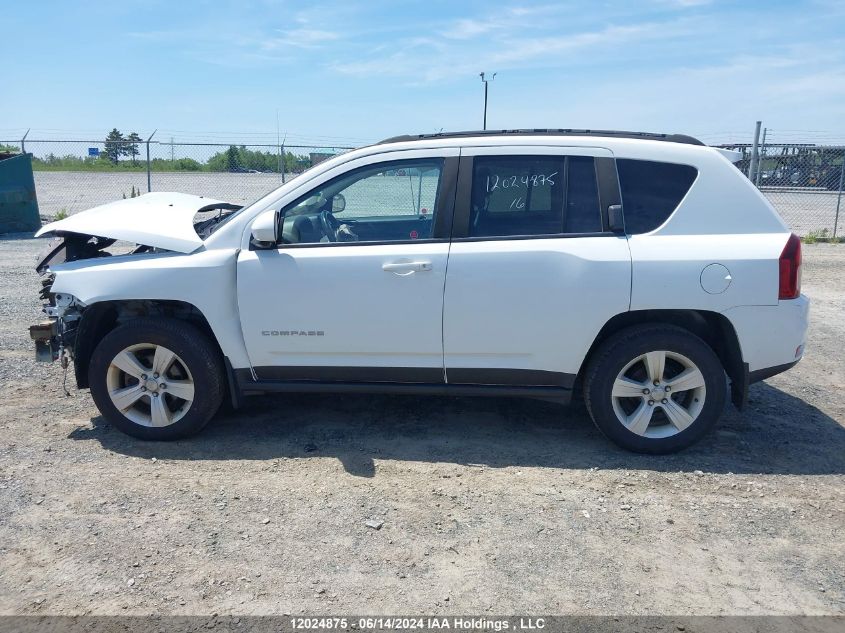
[{"x": 265, "y": 230}]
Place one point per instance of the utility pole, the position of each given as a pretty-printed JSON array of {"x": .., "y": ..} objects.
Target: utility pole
[
  {"x": 755, "y": 154},
  {"x": 486, "y": 81}
]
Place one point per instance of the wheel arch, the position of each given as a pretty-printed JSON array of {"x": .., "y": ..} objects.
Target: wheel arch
[
  {"x": 101, "y": 318},
  {"x": 712, "y": 327}
]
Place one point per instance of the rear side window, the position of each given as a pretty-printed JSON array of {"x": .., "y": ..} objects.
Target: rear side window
[
  {"x": 651, "y": 191},
  {"x": 534, "y": 195}
]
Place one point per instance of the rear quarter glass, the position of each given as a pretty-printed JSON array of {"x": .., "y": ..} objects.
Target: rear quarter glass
[{"x": 651, "y": 191}]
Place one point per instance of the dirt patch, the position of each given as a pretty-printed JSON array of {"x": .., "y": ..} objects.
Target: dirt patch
[{"x": 360, "y": 504}]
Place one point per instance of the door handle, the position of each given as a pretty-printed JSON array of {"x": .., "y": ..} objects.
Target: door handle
[{"x": 406, "y": 268}]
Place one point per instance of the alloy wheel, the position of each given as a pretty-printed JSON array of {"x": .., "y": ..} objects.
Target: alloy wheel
[
  {"x": 150, "y": 385},
  {"x": 658, "y": 394}
]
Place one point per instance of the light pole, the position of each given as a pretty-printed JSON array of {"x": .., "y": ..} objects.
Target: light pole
[{"x": 486, "y": 81}]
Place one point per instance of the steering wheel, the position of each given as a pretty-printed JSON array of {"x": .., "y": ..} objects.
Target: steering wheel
[{"x": 330, "y": 224}]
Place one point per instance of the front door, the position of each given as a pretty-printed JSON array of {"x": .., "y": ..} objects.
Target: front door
[{"x": 354, "y": 290}]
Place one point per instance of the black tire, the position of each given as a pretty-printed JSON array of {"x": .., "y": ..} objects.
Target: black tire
[
  {"x": 626, "y": 345},
  {"x": 193, "y": 348}
]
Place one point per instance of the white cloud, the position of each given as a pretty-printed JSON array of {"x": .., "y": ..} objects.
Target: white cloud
[
  {"x": 503, "y": 19},
  {"x": 442, "y": 59},
  {"x": 524, "y": 49},
  {"x": 780, "y": 90},
  {"x": 466, "y": 29},
  {"x": 300, "y": 38}
]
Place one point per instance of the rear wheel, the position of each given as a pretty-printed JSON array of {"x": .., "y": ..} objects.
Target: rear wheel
[
  {"x": 156, "y": 379},
  {"x": 655, "y": 388}
]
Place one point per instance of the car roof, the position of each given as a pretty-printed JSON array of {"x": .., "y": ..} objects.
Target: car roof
[{"x": 645, "y": 136}]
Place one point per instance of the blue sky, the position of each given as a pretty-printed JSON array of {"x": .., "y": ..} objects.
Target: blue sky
[{"x": 347, "y": 72}]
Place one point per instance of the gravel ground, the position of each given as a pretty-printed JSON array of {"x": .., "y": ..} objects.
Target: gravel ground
[{"x": 478, "y": 506}]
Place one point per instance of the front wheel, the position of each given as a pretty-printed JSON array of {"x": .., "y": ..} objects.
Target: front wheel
[
  {"x": 156, "y": 379},
  {"x": 655, "y": 388}
]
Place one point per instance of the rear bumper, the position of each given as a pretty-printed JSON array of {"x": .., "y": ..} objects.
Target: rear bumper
[
  {"x": 768, "y": 372},
  {"x": 772, "y": 338}
]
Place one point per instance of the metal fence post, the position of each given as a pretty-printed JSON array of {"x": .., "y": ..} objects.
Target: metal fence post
[
  {"x": 839, "y": 195},
  {"x": 23, "y": 142},
  {"x": 149, "y": 178},
  {"x": 282, "y": 169},
  {"x": 279, "y": 164},
  {"x": 762, "y": 157},
  {"x": 755, "y": 154}
]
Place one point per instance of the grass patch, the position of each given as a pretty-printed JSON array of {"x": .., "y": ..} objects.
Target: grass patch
[{"x": 822, "y": 236}]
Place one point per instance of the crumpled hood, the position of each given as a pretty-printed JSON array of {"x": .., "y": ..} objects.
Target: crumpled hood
[{"x": 160, "y": 220}]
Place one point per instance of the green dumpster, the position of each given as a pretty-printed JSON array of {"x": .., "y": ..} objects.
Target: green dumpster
[{"x": 18, "y": 205}]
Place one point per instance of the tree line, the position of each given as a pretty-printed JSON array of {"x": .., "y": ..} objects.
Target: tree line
[{"x": 118, "y": 146}]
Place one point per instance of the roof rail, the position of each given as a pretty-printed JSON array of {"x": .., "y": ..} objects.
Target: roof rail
[{"x": 647, "y": 136}]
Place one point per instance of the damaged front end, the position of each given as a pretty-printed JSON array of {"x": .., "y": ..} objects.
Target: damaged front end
[
  {"x": 69, "y": 248},
  {"x": 55, "y": 337},
  {"x": 152, "y": 223}
]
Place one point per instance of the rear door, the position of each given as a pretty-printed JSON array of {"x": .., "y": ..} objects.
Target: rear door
[{"x": 534, "y": 271}]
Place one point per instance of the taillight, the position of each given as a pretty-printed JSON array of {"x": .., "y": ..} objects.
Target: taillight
[{"x": 789, "y": 281}]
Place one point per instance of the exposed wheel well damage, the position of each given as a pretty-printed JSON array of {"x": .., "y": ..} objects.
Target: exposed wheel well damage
[
  {"x": 713, "y": 328},
  {"x": 100, "y": 318}
]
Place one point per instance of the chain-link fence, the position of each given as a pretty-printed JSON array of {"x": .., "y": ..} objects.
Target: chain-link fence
[
  {"x": 72, "y": 176},
  {"x": 803, "y": 181}
]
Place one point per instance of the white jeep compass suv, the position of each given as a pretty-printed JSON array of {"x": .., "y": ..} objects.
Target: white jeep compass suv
[{"x": 639, "y": 269}]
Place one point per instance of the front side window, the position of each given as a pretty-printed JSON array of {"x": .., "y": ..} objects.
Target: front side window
[
  {"x": 651, "y": 191},
  {"x": 534, "y": 195},
  {"x": 387, "y": 202}
]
